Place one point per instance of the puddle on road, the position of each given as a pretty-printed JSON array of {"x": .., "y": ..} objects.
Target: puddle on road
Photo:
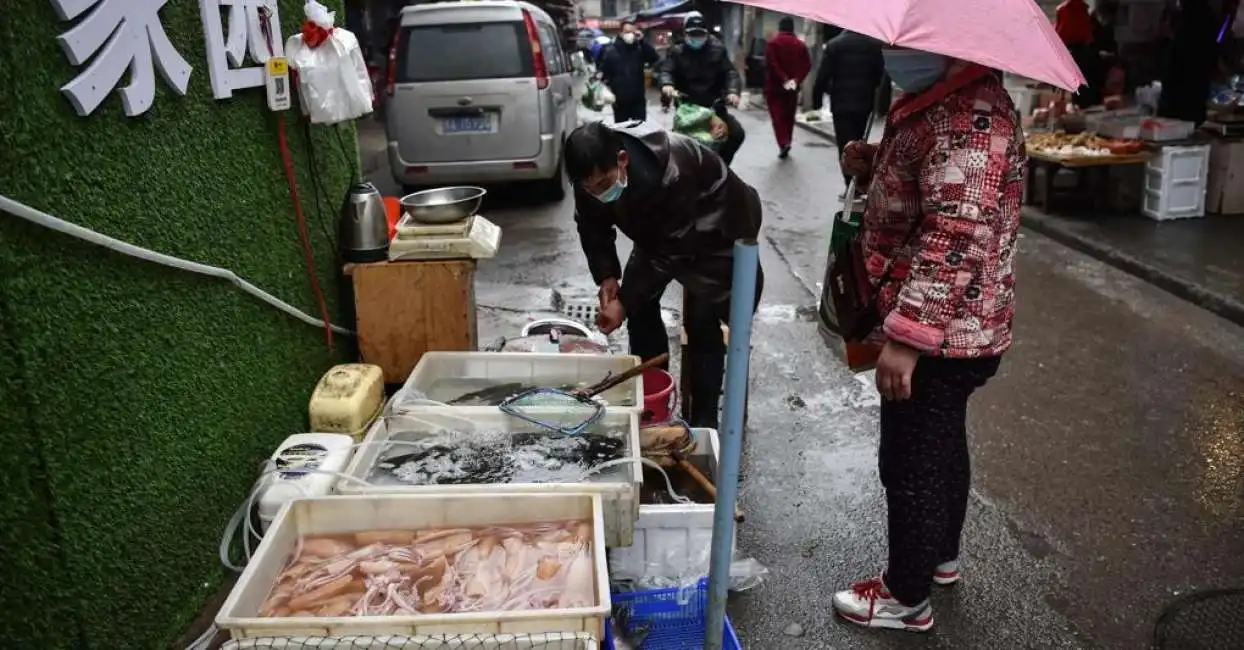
[{"x": 786, "y": 313}]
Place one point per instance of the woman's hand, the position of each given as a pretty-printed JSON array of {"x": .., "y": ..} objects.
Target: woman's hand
[
  {"x": 894, "y": 370},
  {"x": 857, "y": 158}
]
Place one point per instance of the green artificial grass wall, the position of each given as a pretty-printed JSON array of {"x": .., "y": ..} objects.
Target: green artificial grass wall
[{"x": 136, "y": 401}]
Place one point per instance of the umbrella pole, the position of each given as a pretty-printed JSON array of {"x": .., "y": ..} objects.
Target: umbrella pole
[{"x": 742, "y": 301}]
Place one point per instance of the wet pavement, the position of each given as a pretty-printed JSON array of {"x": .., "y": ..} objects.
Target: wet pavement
[{"x": 1109, "y": 453}]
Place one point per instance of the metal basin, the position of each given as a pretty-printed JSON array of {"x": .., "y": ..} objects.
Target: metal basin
[{"x": 443, "y": 204}]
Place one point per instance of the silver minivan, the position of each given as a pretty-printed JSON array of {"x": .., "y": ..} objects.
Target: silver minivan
[{"x": 479, "y": 92}]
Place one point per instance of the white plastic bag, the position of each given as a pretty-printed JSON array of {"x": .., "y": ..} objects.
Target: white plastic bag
[{"x": 333, "y": 83}]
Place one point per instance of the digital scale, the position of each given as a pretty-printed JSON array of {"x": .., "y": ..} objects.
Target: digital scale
[{"x": 474, "y": 237}]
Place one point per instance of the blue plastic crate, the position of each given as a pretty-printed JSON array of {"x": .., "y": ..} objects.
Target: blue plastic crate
[{"x": 675, "y": 625}]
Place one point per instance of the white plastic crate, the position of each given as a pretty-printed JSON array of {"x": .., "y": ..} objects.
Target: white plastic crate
[
  {"x": 529, "y": 368},
  {"x": 672, "y": 540},
  {"x": 620, "y": 497},
  {"x": 1175, "y": 182},
  {"x": 348, "y": 514},
  {"x": 1161, "y": 129},
  {"x": 554, "y": 641}
]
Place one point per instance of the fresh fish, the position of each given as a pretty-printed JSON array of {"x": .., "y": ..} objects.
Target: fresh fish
[
  {"x": 491, "y": 396},
  {"x": 627, "y": 635}
]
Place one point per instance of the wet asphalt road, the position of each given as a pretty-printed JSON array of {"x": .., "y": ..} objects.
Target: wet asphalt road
[{"x": 1109, "y": 452}]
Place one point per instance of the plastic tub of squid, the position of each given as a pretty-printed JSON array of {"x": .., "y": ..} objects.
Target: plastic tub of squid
[
  {"x": 482, "y": 450},
  {"x": 473, "y": 379},
  {"x": 426, "y": 564},
  {"x": 546, "y": 641}
]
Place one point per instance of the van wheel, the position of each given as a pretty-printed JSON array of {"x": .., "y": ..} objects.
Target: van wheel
[{"x": 554, "y": 189}]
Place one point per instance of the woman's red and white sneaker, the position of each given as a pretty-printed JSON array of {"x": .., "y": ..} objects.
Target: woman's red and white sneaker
[
  {"x": 946, "y": 573},
  {"x": 870, "y": 604}
]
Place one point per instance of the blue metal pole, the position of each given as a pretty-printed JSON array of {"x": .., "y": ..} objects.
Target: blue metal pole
[{"x": 742, "y": 300}]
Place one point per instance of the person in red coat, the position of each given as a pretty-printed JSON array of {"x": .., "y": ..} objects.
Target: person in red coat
[{"x": 787, "y": 64}]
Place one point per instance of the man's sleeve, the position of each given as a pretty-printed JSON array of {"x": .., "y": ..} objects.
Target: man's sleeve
[
  {"x": 650, "y": 54},
  {"x": 821, "y": 86},
  {"x": 665, "y": 69},
  {"x": 771, "y": 62},
  {"x": 734, "y": 83},
  {"x": 960, "y": 182},
  {"x": 597, "y": 237},
  {"x": 645, "y": 280}
]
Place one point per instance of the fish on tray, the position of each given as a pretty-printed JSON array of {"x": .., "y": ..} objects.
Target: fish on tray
[
  {"x": 521, "y": 458},
  {"x": 495, "y": 395}
]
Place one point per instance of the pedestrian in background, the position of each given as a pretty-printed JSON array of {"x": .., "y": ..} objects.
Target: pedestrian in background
[
  {"x": 700, "y": 70},
  {"x": 622, "y": 66},
  {"x": 787, "y": 63},
  {"x": 851, "y": 70},
  {"x": 939, "y": 235}
]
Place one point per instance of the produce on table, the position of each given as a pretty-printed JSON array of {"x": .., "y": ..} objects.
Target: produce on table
[
  {"x": 439, "y": 571},
  {"x": 1082, "y": 144}
]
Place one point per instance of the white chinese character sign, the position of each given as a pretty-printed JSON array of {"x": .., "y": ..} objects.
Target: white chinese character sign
[
  {"x": 117, "y": 36},
  {"x": 230, "y": 39}
]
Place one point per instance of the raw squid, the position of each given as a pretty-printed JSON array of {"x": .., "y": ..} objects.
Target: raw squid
[{"x": 405, "y": 572}]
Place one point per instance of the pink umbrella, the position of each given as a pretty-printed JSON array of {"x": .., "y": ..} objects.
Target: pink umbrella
[{"x": 1010, "y": 35}]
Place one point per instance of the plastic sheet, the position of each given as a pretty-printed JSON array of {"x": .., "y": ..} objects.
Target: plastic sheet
[
  {"x": 333, "y": 82},
  {"x": 673, "y": 569}
]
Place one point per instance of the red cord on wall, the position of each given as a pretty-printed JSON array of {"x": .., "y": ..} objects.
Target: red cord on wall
[{"x": 287, "y": 160}]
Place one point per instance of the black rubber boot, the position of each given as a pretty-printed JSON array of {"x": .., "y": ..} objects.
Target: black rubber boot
[{"x": 709, "y": 370}]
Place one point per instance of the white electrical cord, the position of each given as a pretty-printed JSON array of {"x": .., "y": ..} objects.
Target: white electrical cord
[{"x": 22, "y": 211}]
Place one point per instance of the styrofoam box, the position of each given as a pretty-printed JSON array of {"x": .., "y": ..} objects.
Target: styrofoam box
[
  {"x": 672, "y": 539},
  {"x": 620, "y": 497},
  {"x": 555, "y": 641},
  {"x": 1175, "y": 183},
  {"x": 534, "y": 369},
  {"x": 347, "y": 514}
]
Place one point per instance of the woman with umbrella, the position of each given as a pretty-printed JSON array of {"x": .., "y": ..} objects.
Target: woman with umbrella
[{"x": 940, "y": 228}]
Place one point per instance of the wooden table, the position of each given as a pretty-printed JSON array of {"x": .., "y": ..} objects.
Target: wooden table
[
  {"x": 404, "y": 309},
  {"x": 1092, "y": 169}
]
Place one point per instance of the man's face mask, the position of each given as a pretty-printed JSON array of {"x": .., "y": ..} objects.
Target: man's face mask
[
  {"x": 628, "y": 37},
  {"x": 607, "y": 187},
  {"x": 697, "y": 40}
]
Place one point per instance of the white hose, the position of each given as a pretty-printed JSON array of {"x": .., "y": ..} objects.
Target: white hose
[{"x": 32, "y": 215}]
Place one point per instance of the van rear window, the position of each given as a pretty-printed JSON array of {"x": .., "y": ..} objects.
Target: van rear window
[{"x": 464, "y": 51}]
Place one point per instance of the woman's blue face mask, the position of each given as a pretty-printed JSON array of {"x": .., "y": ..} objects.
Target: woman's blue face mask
[{"x": 914, "y": 71}]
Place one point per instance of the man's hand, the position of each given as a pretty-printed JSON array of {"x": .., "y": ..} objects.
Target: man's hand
[
  {"x": 894, "y": 370},
  {"x": 668, "y": 91},
  {"x": 732, "y": 99},
  {"x": 611, "y": 316},
  {"x": 857, "y": 158},
  {"x": 608, "y": 292},
  {"x": 718, "y": 127}
]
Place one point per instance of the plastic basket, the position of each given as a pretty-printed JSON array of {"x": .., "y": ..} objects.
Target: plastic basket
[{"x": 675, "y": 626}]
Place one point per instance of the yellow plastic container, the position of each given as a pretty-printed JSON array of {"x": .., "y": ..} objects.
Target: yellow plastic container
[{"x": 348, "y": 398}]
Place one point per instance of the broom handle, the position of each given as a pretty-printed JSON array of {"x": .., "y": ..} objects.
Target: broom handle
[{"x": 610, "y": 382}]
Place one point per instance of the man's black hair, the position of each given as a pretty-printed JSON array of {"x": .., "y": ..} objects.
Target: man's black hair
[
  {"x": 628, "y": 21},
  {"x": 590, "y": 148}
]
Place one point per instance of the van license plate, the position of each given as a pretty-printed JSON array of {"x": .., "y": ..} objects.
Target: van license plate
[{"x": 467, "y": 125}]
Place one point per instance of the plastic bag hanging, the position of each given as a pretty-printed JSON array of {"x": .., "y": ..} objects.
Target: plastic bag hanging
[{"x": 333, "y": 83}]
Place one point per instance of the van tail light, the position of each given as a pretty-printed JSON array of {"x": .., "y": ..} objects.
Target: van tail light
[
  {"x": 537, "y": 53},
  {"x": 391, "y": 74}
]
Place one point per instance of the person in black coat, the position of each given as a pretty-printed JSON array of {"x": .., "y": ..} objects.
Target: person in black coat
[
  {"x": 700, "y": 68},
  {"x": 851, "y": 70},
  {"x": 621, "y": 68}
]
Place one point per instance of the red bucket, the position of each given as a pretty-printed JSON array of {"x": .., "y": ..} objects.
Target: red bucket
[{"x": 658, "y": 396}]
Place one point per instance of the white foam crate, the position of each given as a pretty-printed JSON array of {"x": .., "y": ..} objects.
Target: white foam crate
[
  {"x": 620, "y": 498},
  {"x": 350, "y": 514},
  {"x": 671, "y": 540},
  {"x": 531, "y": 368},
  {"x": 1175, "y": 183},
  {"x": 555, "y": 641}
]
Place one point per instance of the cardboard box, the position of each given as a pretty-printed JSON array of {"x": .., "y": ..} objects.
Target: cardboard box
[{"x": 1224, "y": 192}]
